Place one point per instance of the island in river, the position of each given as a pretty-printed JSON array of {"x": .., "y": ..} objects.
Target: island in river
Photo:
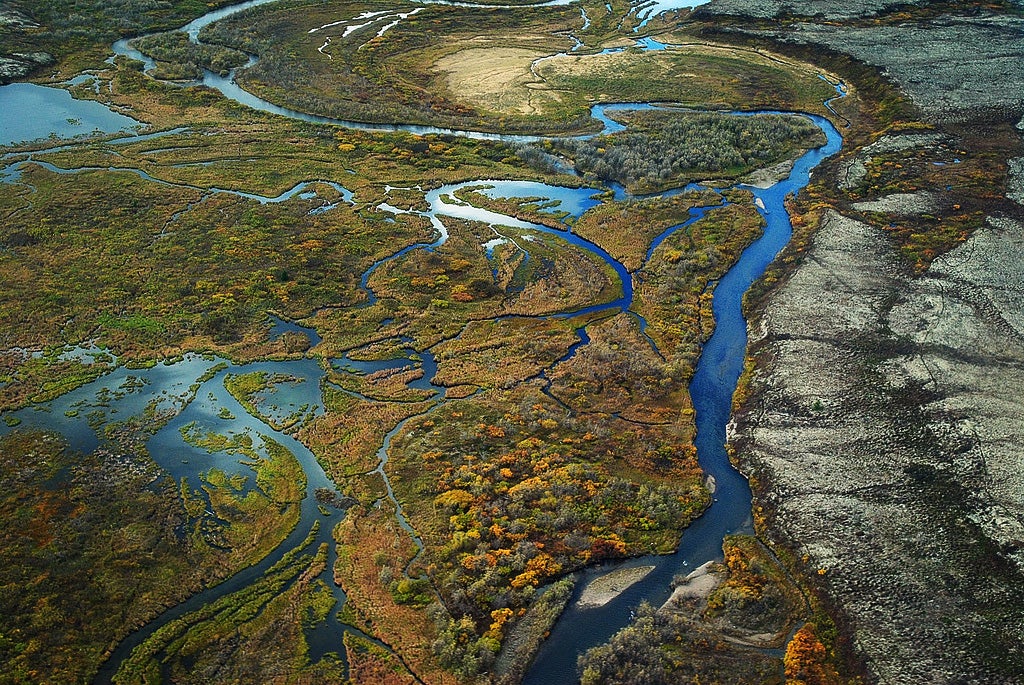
[{"x": 362, "y": 361}]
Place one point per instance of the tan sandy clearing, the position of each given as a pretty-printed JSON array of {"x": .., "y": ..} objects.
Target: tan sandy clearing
[
  {"x": 604, "y": 589},
  {"x": 498, "y": 79},
  {"x": 699, "y": 585}
]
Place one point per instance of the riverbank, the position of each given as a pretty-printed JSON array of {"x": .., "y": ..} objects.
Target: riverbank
[
  {"x": 604, "y": 589},
  {"x": 723, "y": 623},
  {"x": 878, "y": 425}
]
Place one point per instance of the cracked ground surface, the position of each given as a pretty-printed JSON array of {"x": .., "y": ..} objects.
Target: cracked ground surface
[{"x": 886, "y": 437}]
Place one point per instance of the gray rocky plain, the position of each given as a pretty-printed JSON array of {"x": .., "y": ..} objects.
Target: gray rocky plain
[
  {"x": 885, "y": 426},
  {"x": 887, "y": 436},
  {"x": 953, "y": 66},
  {"x": 14, "y": 64},
  {"x": 831, "y": 10}
]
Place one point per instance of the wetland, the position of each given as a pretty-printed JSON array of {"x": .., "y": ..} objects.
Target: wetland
[{"x": 359, "y": 354}]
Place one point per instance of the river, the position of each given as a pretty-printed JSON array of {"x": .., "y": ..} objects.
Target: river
[
  {"x": 711, "y": 390},
  {"x": 170, "y": 386}
]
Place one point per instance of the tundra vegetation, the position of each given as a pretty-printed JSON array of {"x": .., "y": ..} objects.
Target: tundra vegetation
[
  {"x": 663, "y": 149},
  {"x": 97, "y": 543},
  {"x": 556, "y": 442},
  {"x": 74, "y": 36},
  {"x": 179, "y": 58},
  {"x": 407, "y": 74}
]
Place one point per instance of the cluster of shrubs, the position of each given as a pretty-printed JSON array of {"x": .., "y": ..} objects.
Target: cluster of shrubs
[{"x": 664, "y": 148}]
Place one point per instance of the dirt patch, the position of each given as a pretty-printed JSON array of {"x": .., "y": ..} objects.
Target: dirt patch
[
  {"x": 696, "y": 586},
  {"x": 498, "y": 79},
  {"x": 604, "y": 589}
]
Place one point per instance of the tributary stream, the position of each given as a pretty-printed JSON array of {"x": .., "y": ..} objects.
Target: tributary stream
[{"x": 81, "y": 414}]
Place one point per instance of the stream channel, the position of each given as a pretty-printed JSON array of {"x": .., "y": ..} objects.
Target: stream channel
[{"x": 192, "y": 389}]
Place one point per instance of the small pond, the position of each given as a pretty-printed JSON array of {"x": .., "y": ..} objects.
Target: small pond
[{"x": 30, "y": 112}]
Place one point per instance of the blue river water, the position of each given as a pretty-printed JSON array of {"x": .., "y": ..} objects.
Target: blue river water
[
  {"x": 81, "y": 414},
  {"x": 711, "y": 390},
  {"x": 30, "y": 112}
]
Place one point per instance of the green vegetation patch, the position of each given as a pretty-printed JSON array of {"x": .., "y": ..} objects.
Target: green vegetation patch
[
  {"x": 510, "y": 493},
  {"x": 179, "y": 58},
  {"x": 703, "y": 76},
  {"x": 664, "y": 149},
  {"x": 254, "y": 388},
  {"x": 79, "y": 34},
  {"x": 95, "y": 544},
  {"x": 246, "y": 634},
  {"x": 676, "y": 291}
]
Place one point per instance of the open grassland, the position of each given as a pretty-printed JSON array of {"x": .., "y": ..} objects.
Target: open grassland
[
  {"x": 498, "y": 79},
  {"x": 698, "y": 75}
]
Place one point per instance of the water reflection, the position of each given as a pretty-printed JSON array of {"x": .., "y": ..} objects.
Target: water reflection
[{"x": 29, "y": 112}]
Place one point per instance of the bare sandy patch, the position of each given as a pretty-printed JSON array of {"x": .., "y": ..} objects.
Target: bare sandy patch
[
  {"x": 697, "y": 586},
  {"x": 498, "y": 79},
  {"x": 604, "y": 589}
]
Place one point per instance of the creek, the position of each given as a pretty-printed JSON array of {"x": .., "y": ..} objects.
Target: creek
[{"x": 82, "y": 414}]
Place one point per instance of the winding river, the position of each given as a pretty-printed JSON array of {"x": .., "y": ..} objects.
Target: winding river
[
  {"x": 193, "y": 388},
  {"x": 711, "y": 389}
]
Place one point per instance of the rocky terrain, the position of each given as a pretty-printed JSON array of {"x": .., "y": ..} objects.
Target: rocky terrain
[
  {"x": 824, "y": 9},
  {"x": 886, "y": 435},
  {"x": 15, "y": 64},
  {"x": 884, "y": 429},
  {"x": 953, "y": 66}
]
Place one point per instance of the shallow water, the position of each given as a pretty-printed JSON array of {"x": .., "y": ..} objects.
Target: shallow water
[
  {"x": 30, "y": 112},
  {"x": 575, "y": 201},
  {"x": 648, "y": 10}
]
